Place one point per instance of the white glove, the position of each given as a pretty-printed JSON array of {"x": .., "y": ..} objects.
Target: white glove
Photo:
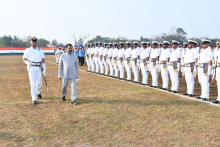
[{"x": 44, "y": 69}]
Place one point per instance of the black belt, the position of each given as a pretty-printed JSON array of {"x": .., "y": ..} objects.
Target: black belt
[{"x": 36, "y": 65}]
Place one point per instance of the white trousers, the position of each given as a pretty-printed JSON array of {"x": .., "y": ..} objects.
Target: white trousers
[
  {"x": 101, "y": 66},
  {"x": 115, "y": 68},
  {"x": 128, "y": 70},
  {"x": 144, "y": 71},
  {"x": 189, "y": 77},
  {"x": 111, "y": 67},
  {"x": 106, "y": 67},
  {"x": 88, "y": 64},
  {"x": 218, "y": 81},
  {"x": 174, "y": 76},
  {"x": 165, "y": 76},
  {"x": 73, "y": 88},
  {"x": 57, "y": 58},
  {"x": 121, "y": 69},
  {"x": 204, "y": 83},
  {"x": 154, "y": 74},
  {"x": 96, "y": 61},
  {"x": 135, "y": 71},
  {"x": 35, "y": 81},
  {"x": 92, "y": 64}
]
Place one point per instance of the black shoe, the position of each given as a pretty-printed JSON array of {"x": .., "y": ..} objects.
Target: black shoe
[
  {"x": 151, "y": 86},
  {"x": 35, "y": 102},
  {"x": 169, "y": 90},
  {"x": 216, "y": 102},
  {"x": 74, "y": 102},
  {"x": 191, "y": 95},
  {"x": 155, "y": 86},
  {"x": 39, "y": 96},
  {"x": 174, "y": 91},
  {"x": 64, "y": 98},
  {"x": 186, "y": 94},
  {"x": 205, "y": 99},
  {"x": 198, "y": 97}
]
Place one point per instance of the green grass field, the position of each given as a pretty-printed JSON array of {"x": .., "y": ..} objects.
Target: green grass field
[{"x": 110, "y": 113}]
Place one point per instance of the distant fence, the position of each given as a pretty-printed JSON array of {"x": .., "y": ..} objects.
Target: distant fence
[{"x": 20, "y": 51}]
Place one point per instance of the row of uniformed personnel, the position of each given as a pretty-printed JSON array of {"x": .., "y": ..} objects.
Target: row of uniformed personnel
[{"x": 116, "y": 59}]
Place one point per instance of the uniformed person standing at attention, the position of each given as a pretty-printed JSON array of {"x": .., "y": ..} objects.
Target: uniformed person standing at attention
[
  {"x": 204, "y": 69},
  {"x": 190, "y": 58},
  {"x": 174, "y": 66},
  {"x": 35, "y": 60},
  {"x": 154, "y": 58},
  {"x": 134, "y": 62},
  {"x": 164, "y": 59},
  {"x": 144, "y": 58},
  {"x": 68, "y": 71},
  {"x": 216, "y": 74},
  {"x": 127, "y": 60}
]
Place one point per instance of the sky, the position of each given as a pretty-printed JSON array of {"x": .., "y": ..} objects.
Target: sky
[{"x": 65, "y": 19}]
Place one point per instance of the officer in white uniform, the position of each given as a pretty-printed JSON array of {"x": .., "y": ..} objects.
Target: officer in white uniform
[
  {"x": 114, "y": 60},
  {"x": 144, "y": 59},
  {"x": 154, "y": 66},
  {"x": 164, "y": 59},
  {"x": 100, "y": 58},
  {"x": 185, "y": 46},
  {"x": 105, "y": 57},
  {"x": 190, "y": 58},
  {"x": 216, "y": 72},
  {"x": 95, "y": 57},
  {"x": 58, "y": 53},
  {"x": 110, "y": 53},
  {"x": 35, "y": 60},
  {"x": 87, "y": 57},
  {"x": 127, "y": 60},
  {"x": 91, "y": 57},
  {"x": 205, "y": 69},
  {"x": 174, "y": 66},
  {"x": 134, "y": 62},
  {"x": 121, "y": 53}
]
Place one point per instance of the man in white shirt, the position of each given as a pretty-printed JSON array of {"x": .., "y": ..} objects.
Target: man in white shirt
[
  {"x": 121, "y": 53},
  {"x": 114, "y": 60},
  {"x": 127, "y": 60},
  {"x": 100, "y": 58},
  {"x": 154, "y": 66},
  {"x": 105, "y": 57},
  {"x": 91, "y": 57},
  {"x": 174, "y": 66},
  {"x": 110, "y": 53},
  {"x": 216, "y": 72},
  {"x": 164, "y": 59},
  {"x": 205, "y": 69},
  {"x": 190, "y": 58},
  {"x": 134, "y": 62},
  {"x": 144, "y": 59},
  {"x": 95, "y": 57},
  {"x": 87, "y": 57},
  {"x": 35, "y": 60},
  {"x": 58, "y": 53}
]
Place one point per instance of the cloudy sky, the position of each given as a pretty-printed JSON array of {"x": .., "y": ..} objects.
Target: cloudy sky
[{"x": 61, "y": 19}]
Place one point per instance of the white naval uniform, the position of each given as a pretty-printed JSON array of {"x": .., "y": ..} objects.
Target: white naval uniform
[
  {"x": 89, "y": 68},
  {"x": 217, "y": 59},
  {"x": 105, "y": 62},
  {"x": 120, "y": 64},
  {"x": 91, "y": 59},
  {"x": 100, "y": 59},
  {"x": 110, "y": 53},
  {"x": 205, "y": 56},
  {"x": 134, "y": 64},
  {"x": 164, "y": 58},
  {"x": 114, "y": 62},
  {"x": 96, "y": 59},
  {"x": 190, "y": 57},
  {"x": 154, "y": 69},
  {"x": 127, "y": 61},
  {"x": 34, "y": 57},
  {"x": 144, "y": 55},
  {"x": 58, "y": 53},
  {"x": 175, "y": 56}
]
